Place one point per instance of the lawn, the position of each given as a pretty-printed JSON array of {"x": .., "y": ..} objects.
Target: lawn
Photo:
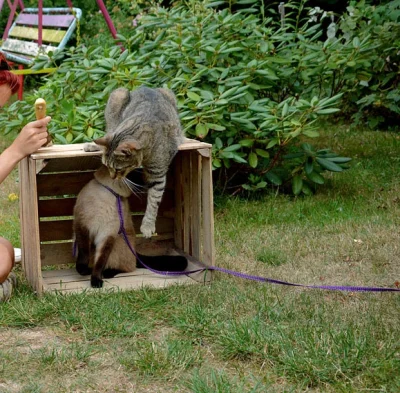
[{"x": 237, "y": 336}]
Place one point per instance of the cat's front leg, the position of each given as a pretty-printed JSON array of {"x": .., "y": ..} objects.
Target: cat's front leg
[
  {"x": 82, "y": 244},
  {"x": 156, "y": 187},
  {"x": 103, "y": 251}
]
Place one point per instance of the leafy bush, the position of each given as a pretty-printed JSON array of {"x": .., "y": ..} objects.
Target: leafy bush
[
  {"x": 251, "y": 88},
  {"x": 376, "y": 99}
]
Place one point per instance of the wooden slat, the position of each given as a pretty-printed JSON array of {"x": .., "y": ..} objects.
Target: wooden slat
[
  {"x": 118, "y": 283},
  {"x": 71, "y": 275},
  {"x": 76, "y": 150},
  {"x": 56, "y": 207},
  {"x": 56, "y": 254},
  {"x": 48, "y": 20},
  {"x": 62, "y": 249},
  {"x": 63, "y": 151},
  {"x": 25, "y": 47},
  {"x": 62, "y": 229},
  {"x": 195, "y": 202},
  {"x": 186, "y": 183},
  {"x": 62, "y": 183},
  {"x": 65, "y": 206},
  {"x": 55, "y": 230},
  {"x": 31, "y": 33},
  {"x": 193, "y": 144},
  {"x": 87, "y": 163},
  {"x": 178, "y": 200},
  {"x": 29, "y": 228},
  {"x": 61, "y": 253},
  {"x": 69, "y": 281},
  {"x": 207, "y": 208}
]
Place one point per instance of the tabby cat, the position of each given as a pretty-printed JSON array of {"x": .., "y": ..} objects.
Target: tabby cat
[
  {"x": 101, "y": 250},
  {"x": 142, "y": 129}
]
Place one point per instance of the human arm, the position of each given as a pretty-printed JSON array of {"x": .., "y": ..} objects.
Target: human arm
[{"x": 31, "y": 137}]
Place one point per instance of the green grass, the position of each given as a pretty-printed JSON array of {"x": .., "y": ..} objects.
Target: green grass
[{"x": 238, "y": 336}]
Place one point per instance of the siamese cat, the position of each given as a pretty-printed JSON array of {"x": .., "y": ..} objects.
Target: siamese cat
[
  {"x": 142, "y": 129},
  {"x": 101, "y": 249}
]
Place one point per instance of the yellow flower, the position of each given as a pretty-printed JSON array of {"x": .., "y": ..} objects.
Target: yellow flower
[{"x": 13, "y": 197}]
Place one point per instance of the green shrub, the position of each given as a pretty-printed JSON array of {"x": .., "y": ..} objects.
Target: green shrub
[
  {"x": 252, "y": 89},
  {"x": 376, "y": 99}
]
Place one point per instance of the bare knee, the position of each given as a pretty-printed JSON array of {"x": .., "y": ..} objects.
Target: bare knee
[{"x": 6, "y": 258}]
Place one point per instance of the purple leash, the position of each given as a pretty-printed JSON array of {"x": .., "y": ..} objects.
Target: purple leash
[{"x": 234, "y": 273}]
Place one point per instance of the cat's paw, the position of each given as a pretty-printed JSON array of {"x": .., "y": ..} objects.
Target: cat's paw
[
  {"x": 96, "y": 282},
  {"x": 91, "y": 146},
  {"x": 83, "y": 269},
  {"x": 147, "y": 228}
]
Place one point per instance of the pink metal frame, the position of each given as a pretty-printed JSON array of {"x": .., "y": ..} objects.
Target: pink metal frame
[
  {"x": 107, "y": 18},
  {"x": 13, "y": 9},
  {"x": 40, "y": 22}
]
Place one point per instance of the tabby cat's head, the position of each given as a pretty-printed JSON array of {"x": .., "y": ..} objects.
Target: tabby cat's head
[{"x": 122, "y": 158}]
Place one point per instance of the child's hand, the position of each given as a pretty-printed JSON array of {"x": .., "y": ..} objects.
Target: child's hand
[{"x": 31, "y": 138}]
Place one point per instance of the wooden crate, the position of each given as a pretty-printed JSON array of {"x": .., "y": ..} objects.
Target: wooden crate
[{"x": 49, "y": 183}]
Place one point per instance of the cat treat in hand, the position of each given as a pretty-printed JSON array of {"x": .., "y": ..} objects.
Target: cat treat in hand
[{"x": 40, "y": 113}]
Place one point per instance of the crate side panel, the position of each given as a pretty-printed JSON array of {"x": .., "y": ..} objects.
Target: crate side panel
[
  {"x": 65, "y": 206},
  {"x": 195, "y": 198},
  {"x": 186, "y": 193},
  {"x": 62, "y": 183},
  {"x": 178, "y": 199},
  {"x": 56, "y": 207},
  {"x": 51, "y": 231},
  {"x": 86, "y": 163},
  {"x": 29, "y": 224},
  {"x": 207, "y": 208},
  {"x": 56, "y": 254}
]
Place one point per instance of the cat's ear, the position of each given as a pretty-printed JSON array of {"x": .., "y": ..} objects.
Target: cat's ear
[
  {"x": 102, "y": 142},
  {"x": 168, "y": 94},
  {"x": 127, "y": 148}
]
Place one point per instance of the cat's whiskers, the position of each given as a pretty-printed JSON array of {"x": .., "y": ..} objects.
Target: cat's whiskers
[
  {"x": 135, "y": 188},
  {"x": 138, "y": 186}
]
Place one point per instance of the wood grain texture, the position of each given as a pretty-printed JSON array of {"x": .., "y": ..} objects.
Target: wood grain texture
[
  {"x": 48, "y": 20},
  {"x": 186, "y": 193},
  {"x": 195, "y": 203},
  {"x": 208, "y": 212},
  {"x": 29, "y": 216},
  {"x": 32, "y": 33},
  {"x": 26, "y": 48}
]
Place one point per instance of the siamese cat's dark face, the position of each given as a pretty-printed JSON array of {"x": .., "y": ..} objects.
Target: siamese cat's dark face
[{"x": 121, "y": 159}]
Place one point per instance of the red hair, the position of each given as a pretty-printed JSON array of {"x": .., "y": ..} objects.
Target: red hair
[{"x": 7, "y": 77}]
